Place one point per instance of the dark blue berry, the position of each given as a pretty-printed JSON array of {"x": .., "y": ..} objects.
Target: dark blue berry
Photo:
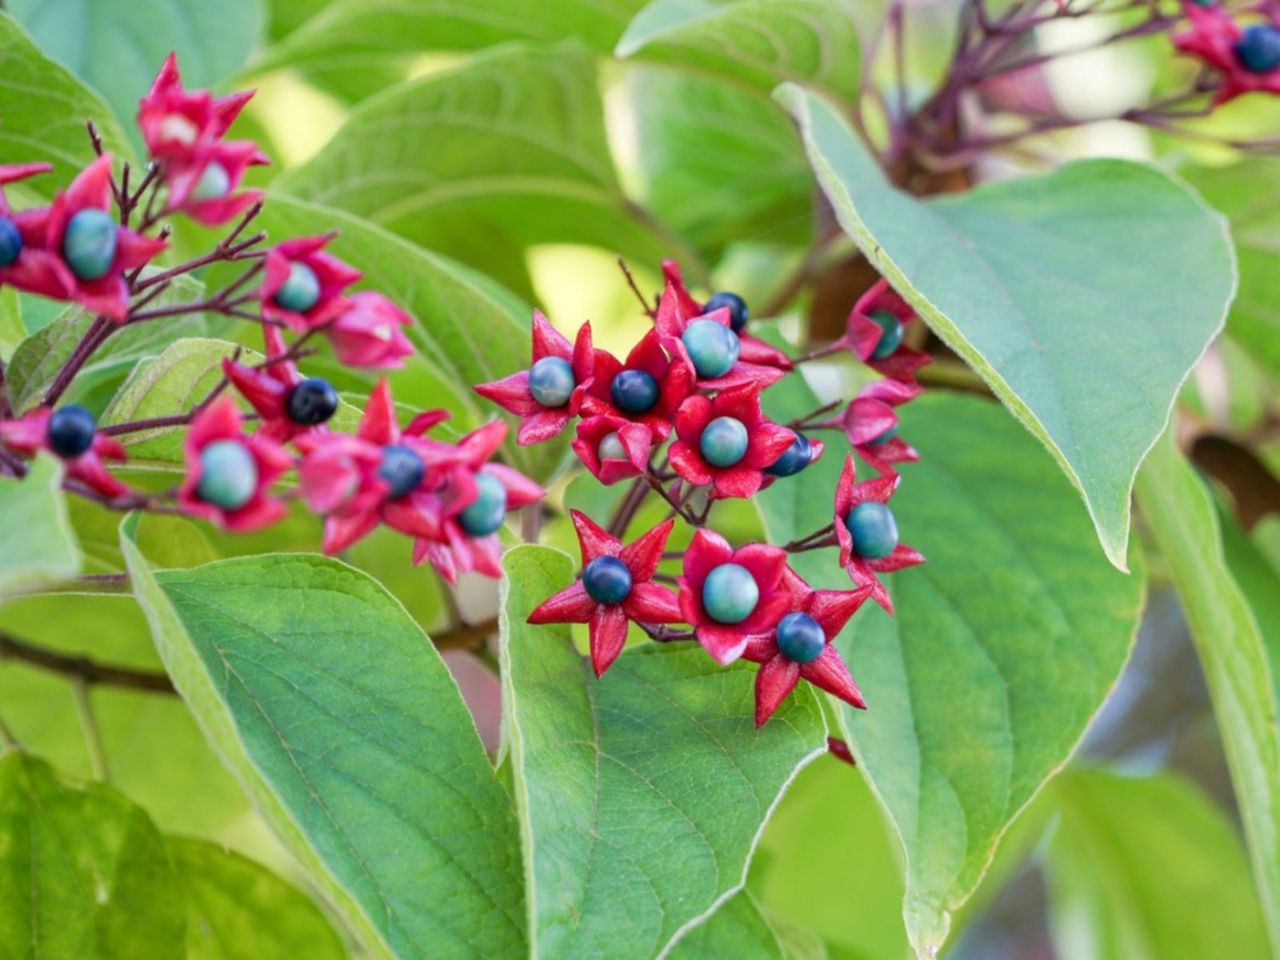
[
  {"x": 634, "y": 391},
  {"x": 794, "y": 459},
  {"x": 10, "y": 242},
  {"x": 551, "y": 381},
  {"x": 738, "y": 312},
  {"x": 228, "y": 475},
  {"x": 800, "y": 637},
  {"x": 891, "y": 338},
  {"x": 874, "y": 530},
  {"x": 312, "y": 401},
  {"x": 723, "y": 442},
  {"x": 402, "y": 470},
  {"x": 300, "y": 290},
  {"x": 71, "y": 430},
  {"x": 486, "y": 513},
  {"x": 89, "y": 243},
  {"x": 713, "y": 348},
  {"x": 607, "y": 580},
  {"x": 1258, "y": 48},
  {"x": 730, "y": 593}
]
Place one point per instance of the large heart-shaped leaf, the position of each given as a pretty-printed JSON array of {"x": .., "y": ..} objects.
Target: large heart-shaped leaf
[
  {"x": 1005, "y": 644},
  {"x": 641, "y": 794},
  {"x": 337, "y": 714},
  {"x": 37, "y": 544},
  {"x": 1083, "y": 297}
]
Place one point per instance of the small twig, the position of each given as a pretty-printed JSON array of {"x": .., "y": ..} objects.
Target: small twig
[
  {"x": 83, "y": 669},
  {"x": 649, "y": 311}
]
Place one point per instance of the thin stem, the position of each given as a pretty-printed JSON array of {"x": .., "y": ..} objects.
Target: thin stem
[
  {"x": 628, "y": 507},
  {"x": 89, "y": 724},
  {"x": 689, "y": 517},
  {"x": 649, "y": 311},
  {"x": 99, "y": 330}
]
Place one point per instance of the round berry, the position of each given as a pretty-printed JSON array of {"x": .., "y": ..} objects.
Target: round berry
[
  {"x": 10, "y": 242},
  {"x": 884, "y": 437},
  {"x": 891, "y": 338},
  {"x": 607, "y": 580},
  {"x": 800, "y": 637},
  {"x": 300, "y": 290},
  {"x": 634, "y": 391},
  {"x": 730, "y": 593},
  {"x": 311, "y": 402},
  {"x": 89, "y": 244},
  {"x": 738, "y": 312},
  {"x": 486, "y": 513},
  {"x": 1258, "y": 48},
  {"x": 712, "y": 348},
  {"x": 610, "y": 447},
  {"x": 723, "y": 442},
  {"x": 874, "y": 530},
  {"x": 794, "y": 459},
  {"x": 228, "y": 475},
  {"x": 551, "y": 381},
  {"x": 214, "y": 182},
  {"x": 71, "y": 430},
  {"x": 401, "y": 469}
]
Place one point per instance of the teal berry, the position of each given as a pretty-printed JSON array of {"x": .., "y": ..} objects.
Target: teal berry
[
  {"x": 634, "y": 391},
  {"x": 738, "y": 312},
  {"x": 214, "y": 182},
  {"x": 10, "y": 242},
  {"x": 794, "y": 459},
  {"x": 723, "y": 442},
  {"x": 712, "y": 348},
  {"x": 301, "y": 290},
  {"x": 551, "y": 381},
  {"x": 891, "y": 338},
  {"x": 1258, "y": 49},
  {"x": 607, "y": 580},
  {"x": 874, "y": 530},
  {"x": 800, "y": 638},
  {"x": 610, "y": 447},
  {"x": 401, "y": 469},
  {"x": 884, "y": 437},
  {"x": 71, "y": 430},
  {"x": 228, "y": 475},
  {"x": 489, "y": 509},
  {"x": 730, "y": 593},
  {"x": 89, "y": 244}
]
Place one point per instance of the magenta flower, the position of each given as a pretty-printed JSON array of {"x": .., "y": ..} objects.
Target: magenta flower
[
  {"x": 303, "y": 287},
  {"x": 615, "y": 587},
  {"x": 559, "y": 368},
  {"x": 731, "y": 596},
  {"x": 751, "y": 350},
  {"x": 613, "y": 448},
  {"x": 800, "y": 647},
  {"x": 27, "y": 265},
  {"x": 715, "y": 363},
  {"x": 1217, "y": 40},
  {"x": 71, "y": 435},
  {"x": 178, "y": 124},
  {"x": 205, "y": 189},
  {"x": 269, "y": 390},
  {"x": 871, "y": 424},
  {"x": 867, "y": 532},
  {"x": 646, "y": 389},
  {"x": 727, "y": 441},
  {"x": 368, "y": 333},
  {"x": 875, "y": 331}
]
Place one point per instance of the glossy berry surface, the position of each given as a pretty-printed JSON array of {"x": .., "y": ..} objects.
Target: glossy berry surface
[
  {"x": 228, "y": 475},
  {"x": 738, "y": 312},
  {"x": 214, "y": 182},
  {"x": 486, "y": 513},
  {"x": 712, "y": 348},
  {"x": 730, "y": 593},
  {"x": 71, "y": 429},
  {"x": 301, "y": 290},
  {"x": 794, "y": 459},
  {"x": 551, "y": 381},
  {"x": 607, "y": 580},
  {"x": 89, "y": 244},
  {"x": 873, "y": 529},
  {"x": 634, "y": 391},
  {"x": 311, "y": 402},
  {"x": 402, "y": 470},
  {"x": 10, "y": 242},
  {"x": 610, "y": 447},
  {"x": 800, "y": 637},
  {"x": 891, "y": 339},
  {"x": 884, "y": 437},
  {"x": 1258, "y": 48},
  {"x": 723, "y": 442}
]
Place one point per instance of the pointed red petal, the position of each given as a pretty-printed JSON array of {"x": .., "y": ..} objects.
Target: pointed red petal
[
  {"x": 829, "y": 672},
  {"x": 642, "y": 556},
  {"x": 608, "y": 636},
  {"x": 650, "y": 603},
  {"x": 594, "y": 540},
  {"x": 774, "y": 682}
]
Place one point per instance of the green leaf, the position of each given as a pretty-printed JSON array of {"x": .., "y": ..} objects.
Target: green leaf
[
  {"x": 336, "y": 713},
  {"x": 84, "y": 872},
  {"x": 45, "y": 109},
  {"x": 1015, "y": 624},
  {"x": 755, "y": 42},
  {"x": 12, "y": 330},
  {"x": 1082, "y": 297},
  {"x": 739, "y": 929},
  {"x": 238, "y": 910},
  {"x": 641, "y": 795},
  {"x": 1232, "y": 651},
  {"x": 1259, "y": 582},
  {"x": 37, "y": 545},
  {"x": 1147, "y": 868}
]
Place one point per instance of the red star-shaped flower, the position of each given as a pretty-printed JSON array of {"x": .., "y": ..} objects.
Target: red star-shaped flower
[
  {"x": 800, "y": 647},
  {"x": 33, "y": 268},
  {"x": 302, "y": 286},
  {"x": 539, "y": 422},
  {"x": 751, "y": 349},
  {"x": 663, "y": 386},
  {"x": 615, "y": 587},
  {"x": 731, "y": 596},
  {"x": 613, "y": 448},
  {"x": 267, "y": 389},
  {"x": 206, "y": 188},
  {"x": 30, "y": 433},
  {"x": 875, "y": 332},
  {"x": 176, "y": 123},
  {"x": 674, "y": 318},
  {"x": 872, "y": 546},
  {"x": 712, "y": 432},
  {"x": 369, "y": 333},
  {"x": 1212, "y": 37},
  {"x": 871, "y": 424}
]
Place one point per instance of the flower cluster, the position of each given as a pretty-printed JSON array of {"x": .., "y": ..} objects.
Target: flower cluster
[{"x": 1244, "y": 56}]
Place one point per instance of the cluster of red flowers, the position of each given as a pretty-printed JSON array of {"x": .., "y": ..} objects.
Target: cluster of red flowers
[
  {"x": 1244, "y": 56},
  {"x": 699, "y": 374}
]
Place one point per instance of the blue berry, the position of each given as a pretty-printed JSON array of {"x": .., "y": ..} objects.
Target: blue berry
[
  {"x": 551, "y": 381},
  {"x": 89, "y": 244},
  {"x": 891, "y": 339},
  {"x": 487, "y": 512},
  {"x": 311, "y": 402},
  {"x": 874, "y": 530},
  {"x": 610, "y": 447},
  {"x": 723, "y": 441},
  {"x": 607, "y": 580},
  {"x": 730, "y": 593},
  {"x": 10, "y": 242},
  {"x": 800, "y": 637},
  {"x": 214, "y": 182},
  {"x": 1258, "y": 48},
  {"x": 228, "y": 475},
  {"x": 884, "y": 437},
  {"x": 402, "y": 470},
  {"x": 634, "y": 391},
  {"x": 301, "y": 290},
  {"x": 71, "y": 430},
  {"x": 794, "y": 459},
  {"x": 712, "y": 348},
  {"x": 738, "y": 312}
]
